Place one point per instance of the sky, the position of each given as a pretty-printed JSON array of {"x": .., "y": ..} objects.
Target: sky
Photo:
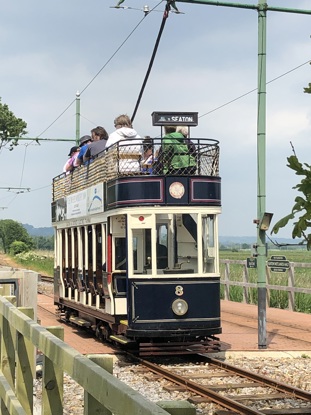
[{"x": 206, "y": 62}]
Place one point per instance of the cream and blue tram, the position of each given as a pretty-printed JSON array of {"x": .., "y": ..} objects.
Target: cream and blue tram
[{"x": 136, "y": 252}]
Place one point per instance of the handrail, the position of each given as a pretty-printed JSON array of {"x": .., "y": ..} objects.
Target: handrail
[
  {"x": 127, "y": 158},
  {"x": 103, "y": 388}
]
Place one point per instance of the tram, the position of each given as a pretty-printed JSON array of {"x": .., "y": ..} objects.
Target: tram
[{"x": 136, "y": 251}]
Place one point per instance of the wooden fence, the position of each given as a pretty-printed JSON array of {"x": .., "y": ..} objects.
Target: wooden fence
[
  {"x": 227, "y": 281},
  {"x": 104, "y": 394}
]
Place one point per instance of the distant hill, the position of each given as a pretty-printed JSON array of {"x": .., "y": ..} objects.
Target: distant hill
[
  {"x": 39, "y": 231},
  {"x": 223, "y": 240},
  {"x": 236, "y": 240}
]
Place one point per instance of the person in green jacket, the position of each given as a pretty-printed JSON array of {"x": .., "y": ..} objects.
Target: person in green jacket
[{"x": 177, "y": 155}]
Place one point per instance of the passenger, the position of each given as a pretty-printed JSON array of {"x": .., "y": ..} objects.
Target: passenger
[
  {"x": 176, "y": 158},
  {"x": 84, "y": 141},
  {"x": 184, "y": 130},
  {"x": 131, "y": 144},
  {"x": 149, "y": 157},
  {"x": 71, "y": 162},
  {"x": 100, "y": 137}
]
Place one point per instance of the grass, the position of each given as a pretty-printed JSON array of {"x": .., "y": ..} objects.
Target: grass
[
  {"x": 43, "y": 262},
  {"x": 39, "y": 261}
]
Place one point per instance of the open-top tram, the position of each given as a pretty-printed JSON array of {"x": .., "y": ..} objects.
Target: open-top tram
[{"x": 136, "y": 251}]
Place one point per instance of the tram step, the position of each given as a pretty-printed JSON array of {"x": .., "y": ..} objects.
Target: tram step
[
  {"x": 121, "y": 339},
  {"x": 79, "y": 321}
]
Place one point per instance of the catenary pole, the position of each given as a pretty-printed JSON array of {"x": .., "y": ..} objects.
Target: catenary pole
[
  {"x": 262, "y": 8},
  {"x": 261, "y": 176},
  {"x": 77, "y": 118}
]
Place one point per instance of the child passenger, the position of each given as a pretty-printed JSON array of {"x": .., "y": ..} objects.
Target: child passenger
[
  {"x": 149, "y": 157},
  {"x": 71, "y": 162}
]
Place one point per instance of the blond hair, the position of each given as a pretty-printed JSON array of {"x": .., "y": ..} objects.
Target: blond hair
[
  {"x": 183, "y": 130},
  {"x": 122, "y": 120}
]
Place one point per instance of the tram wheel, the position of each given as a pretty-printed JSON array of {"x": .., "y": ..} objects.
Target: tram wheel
[{"x": 98, "y": 331}]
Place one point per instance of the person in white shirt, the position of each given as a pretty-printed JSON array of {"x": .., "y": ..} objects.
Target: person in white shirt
[{"x": 127, "y": 142}]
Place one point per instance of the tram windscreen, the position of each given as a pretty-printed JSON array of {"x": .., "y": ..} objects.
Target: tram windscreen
[
  {"x": 162, "y": 250},
  {"x": 174, "y": 243},
  {"x": 120, "y": 253}
]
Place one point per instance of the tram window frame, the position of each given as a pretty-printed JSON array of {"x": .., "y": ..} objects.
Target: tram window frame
[{"x": 209, "y": 249}]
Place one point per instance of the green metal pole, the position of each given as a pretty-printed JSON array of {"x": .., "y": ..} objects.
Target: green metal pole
[
  {"x": 77, "y": 118},
  {"x": 245, "y": 6},
  {"x": 261, "y": 175}
]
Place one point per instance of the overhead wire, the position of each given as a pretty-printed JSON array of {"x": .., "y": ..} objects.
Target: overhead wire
[
  {"x": 255, "y": 89},
  {"x": 164, "y": 19},
  {"x": 101, "y": 69},
  {"x": 146, "y": 78},
  {"x": 221, "y": 106},
  {"x": 83, "y": 90}
]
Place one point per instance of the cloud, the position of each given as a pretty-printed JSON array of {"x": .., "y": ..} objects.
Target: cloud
[{"x": 206, "y": 62}]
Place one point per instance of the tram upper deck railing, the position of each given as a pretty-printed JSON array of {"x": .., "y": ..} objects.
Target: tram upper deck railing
[{"x": 195, "y": 157}]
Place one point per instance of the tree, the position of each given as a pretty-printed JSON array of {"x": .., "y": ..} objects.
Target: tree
[
  {"x": 44, "y": 242},
  {"x": 302, "y": 204},
  {"x": 10, "y": 126},
  {"x": 307, "y": 90},
  {"x": 12, "y": 231}
]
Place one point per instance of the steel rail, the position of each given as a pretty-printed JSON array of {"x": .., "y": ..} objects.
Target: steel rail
[
  {"x": 223, "y": 401},
  {"x": 279, "y": 386},
  {"x": 46, "y": 278},
  {"x": 199, "y": 389}
]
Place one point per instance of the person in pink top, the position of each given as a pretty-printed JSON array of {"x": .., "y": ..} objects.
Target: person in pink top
[{"x": 71, "y": 162}]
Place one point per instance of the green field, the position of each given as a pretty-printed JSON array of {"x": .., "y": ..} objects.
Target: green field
[
  {"x": 278, "y": 298},
  {"x": 43, "y": 262},
  {"x": 293, "y": 255}
]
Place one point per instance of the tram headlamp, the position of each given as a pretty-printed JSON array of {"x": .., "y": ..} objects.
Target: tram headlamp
[{"x": 180, "y": 307}]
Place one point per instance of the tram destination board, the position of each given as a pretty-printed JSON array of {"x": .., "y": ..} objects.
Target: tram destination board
[
  {"x": 175, "y": 118},
  {"x": 278, "y": 263}
]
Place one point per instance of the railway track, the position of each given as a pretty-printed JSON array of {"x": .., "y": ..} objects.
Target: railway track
[
  {"x": 229, "y": 389},
  {"x": 232, "y": 389},
  {"x": 46, "y": 278}
]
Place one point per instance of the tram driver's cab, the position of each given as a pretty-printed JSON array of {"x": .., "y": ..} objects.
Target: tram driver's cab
[{"x": 151, "y": 244}]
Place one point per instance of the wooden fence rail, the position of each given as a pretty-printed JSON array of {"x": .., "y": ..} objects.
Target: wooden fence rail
[
  {"x": 21, "y": 336},
  {"x": 227, "y": 281}
]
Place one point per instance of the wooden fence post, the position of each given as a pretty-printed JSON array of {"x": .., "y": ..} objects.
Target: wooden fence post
[
  {"x": 291, "y": 284},
  {"x": 8, "y": 346},
  {"x": 227, "y": 280},
  {"x": 52, "y": 381},
  {"x": 91, "y": 405},
  {"x": 25, "y": 367},
  {"x": 268, "y": 275},
  {"x": 245, "y": 287}
]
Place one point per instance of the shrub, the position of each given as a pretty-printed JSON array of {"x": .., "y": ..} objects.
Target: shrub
[{"x": 17, "y": 247}]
